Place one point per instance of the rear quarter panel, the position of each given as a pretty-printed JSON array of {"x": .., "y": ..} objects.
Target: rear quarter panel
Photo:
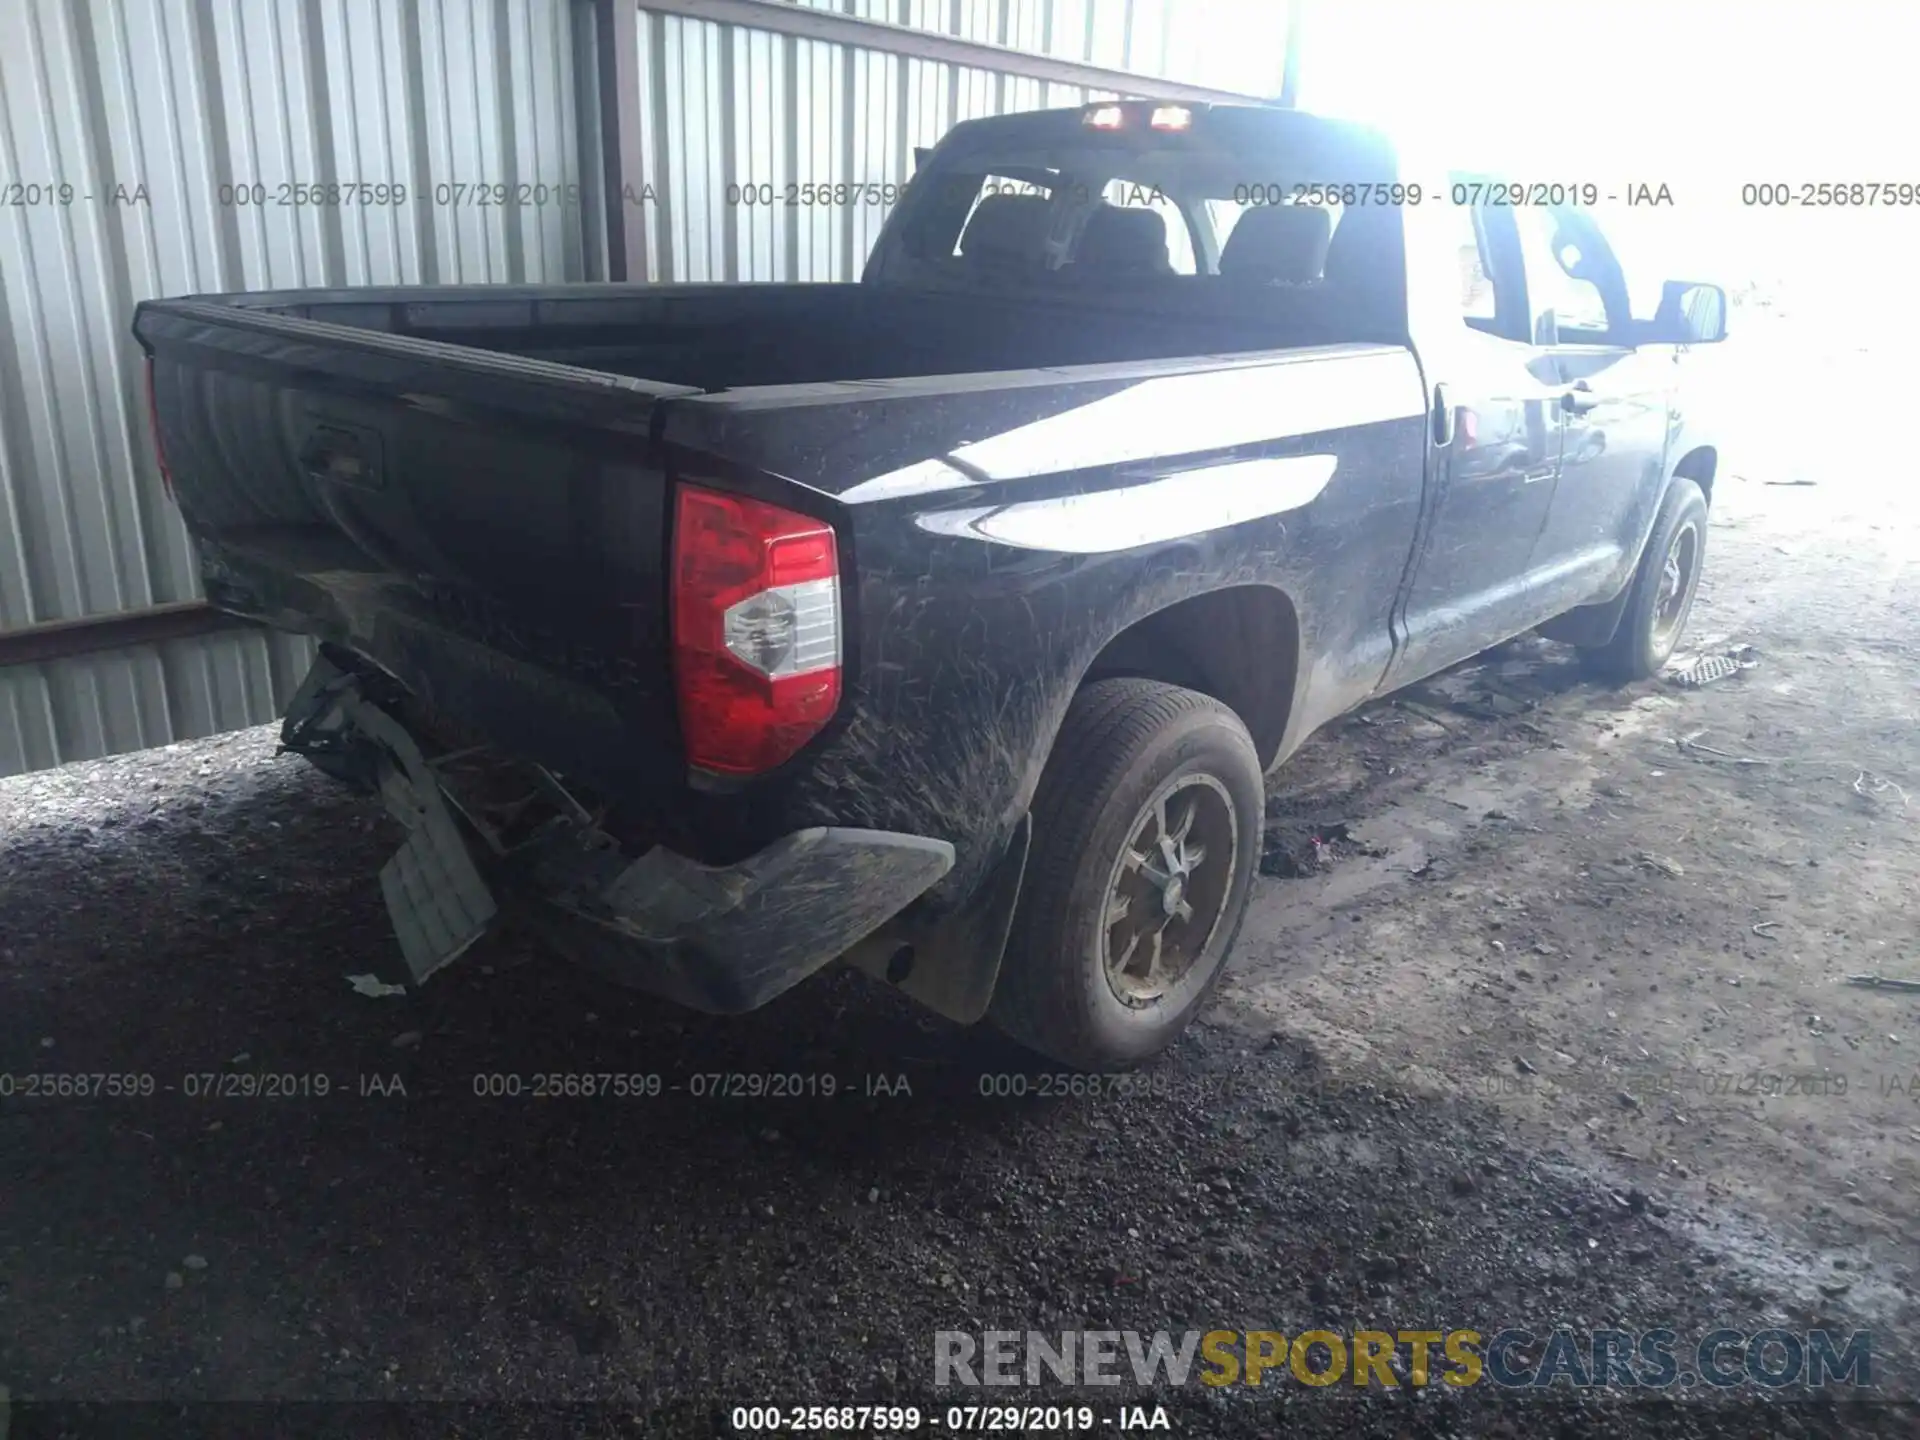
[{"x": 1004, "y": 528}]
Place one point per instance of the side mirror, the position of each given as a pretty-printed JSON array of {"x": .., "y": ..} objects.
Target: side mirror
[
  {"x": 920, "y": 154},
  {"x": 1691, "y": 313}
]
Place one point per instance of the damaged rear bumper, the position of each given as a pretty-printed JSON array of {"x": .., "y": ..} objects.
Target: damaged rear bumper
[
  {"x": 718, "y": 938},
  {"x": 730, "y": 938}
]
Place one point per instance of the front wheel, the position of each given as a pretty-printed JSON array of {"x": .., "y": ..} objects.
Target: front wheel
[
  {"x": 1663, "y": 590},
  {"x": 1146, "y": 830}
]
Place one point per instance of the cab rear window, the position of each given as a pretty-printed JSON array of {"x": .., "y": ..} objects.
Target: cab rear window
[
  {"x": 1131, "y": 210},
  {"x": 1032, "y": 199}
]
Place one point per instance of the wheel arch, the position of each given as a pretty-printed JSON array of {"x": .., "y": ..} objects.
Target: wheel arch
[
  {"x": 1700, "y": 465},
  {"x": 1240, "y": 644}
]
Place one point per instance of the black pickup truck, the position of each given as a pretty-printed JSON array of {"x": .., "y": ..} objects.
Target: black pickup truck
[{"x": 945, "y": 623}]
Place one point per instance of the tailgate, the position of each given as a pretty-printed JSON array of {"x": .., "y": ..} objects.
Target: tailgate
[{"x": 488, "y": 528}]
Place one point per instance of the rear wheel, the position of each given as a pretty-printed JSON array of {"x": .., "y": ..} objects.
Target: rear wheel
[
  {"x": 1663, "y": 590},
  {"x": 1147, "y": 825}
]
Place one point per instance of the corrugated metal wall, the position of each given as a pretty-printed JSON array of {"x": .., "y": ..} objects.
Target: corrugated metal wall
[
  {"x": 149, "y": 147},
  {"x": 137, "y": 138},
  {"x": 730, "y": 115},
  {"x": 115, "y": 700}
]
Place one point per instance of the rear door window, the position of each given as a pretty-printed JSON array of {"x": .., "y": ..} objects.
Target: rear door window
[
  {"x": 1493, "y": 281},
  {"x": 1555, "y": 247},
  {"x": 1477, "y": 298}
]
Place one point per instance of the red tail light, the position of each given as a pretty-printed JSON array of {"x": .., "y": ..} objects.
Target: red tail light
[
  {"x": 153, "y": 423},
  {"x": 756, "y": 630}
]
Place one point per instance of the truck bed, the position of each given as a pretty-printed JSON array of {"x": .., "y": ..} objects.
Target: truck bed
[
  {"x": 719, "y": 337},
  {"x": 470, "y": 488}
]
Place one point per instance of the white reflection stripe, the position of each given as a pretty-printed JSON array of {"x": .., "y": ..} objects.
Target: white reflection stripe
[
  {"x": 1207, "y": 410},
  {"x": 1306, "y": 393},
  {"x": 1190, "y": 503},
  {"x": 923, "y": 477}
]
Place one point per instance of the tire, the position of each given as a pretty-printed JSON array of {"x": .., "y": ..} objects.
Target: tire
[
  {"x": 1132, "y": 760},
  {"x": 1656, "y": 614}
]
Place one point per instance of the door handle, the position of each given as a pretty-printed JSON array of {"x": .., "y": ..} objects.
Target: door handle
[
  {"x": 1579, "y": 399},
  {"x": 1442, "y": 417}
]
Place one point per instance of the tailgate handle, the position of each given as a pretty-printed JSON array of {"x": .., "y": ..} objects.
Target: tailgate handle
[{"x": 338, "y": 454}]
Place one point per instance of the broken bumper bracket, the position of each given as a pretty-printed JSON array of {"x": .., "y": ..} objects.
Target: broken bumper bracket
[
  {"x": 436, "y": 897},
  {"x": 719, "y": 938}
]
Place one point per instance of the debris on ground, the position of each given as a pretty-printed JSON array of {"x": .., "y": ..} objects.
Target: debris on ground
[
  {"x": 1294, "y": 852},
  {"x": 1475, "y": 693},
  {"x": 1867, "y": 785},
  {"x": 374, "y": 987},
  {"x": 1884, "y": 982},
  {"x": 1660, "y": 863},
  {"x": 1695, "y": 668},
  {"x": 1412, "y": 708},
  {"x": 1690, "y": 745}
]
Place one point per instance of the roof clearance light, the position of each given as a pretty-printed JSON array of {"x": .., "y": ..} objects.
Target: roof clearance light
[
  {"x": 1171, "y": 117},
  {"x": 1106, "y": 117}
]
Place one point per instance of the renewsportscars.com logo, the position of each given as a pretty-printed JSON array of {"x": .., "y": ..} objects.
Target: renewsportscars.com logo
[{"x": 1513, "y": 1358}]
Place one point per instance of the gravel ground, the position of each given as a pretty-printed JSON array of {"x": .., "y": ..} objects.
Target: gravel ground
[
  {"x": 640, "y": 1265},
  {"x": 194, "y": 911}
]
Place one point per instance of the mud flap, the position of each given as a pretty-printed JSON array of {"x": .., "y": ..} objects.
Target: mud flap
[{"x": 954, "y": 961}]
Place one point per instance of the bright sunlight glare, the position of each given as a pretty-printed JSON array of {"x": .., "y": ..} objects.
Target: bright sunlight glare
[{"x": 1703, "y": 95}]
